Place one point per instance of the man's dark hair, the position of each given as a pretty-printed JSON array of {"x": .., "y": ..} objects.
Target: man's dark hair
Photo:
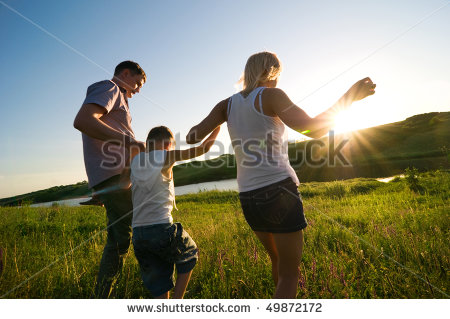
[
  {"x": 159, "y": 133},
  {"x": 132, "y": 66}
]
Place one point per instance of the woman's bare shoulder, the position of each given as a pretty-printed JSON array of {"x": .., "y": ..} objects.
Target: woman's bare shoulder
[
  {"x": 274, "y": 92},
  {"x": 223, "y": 103},
  {"x": 221, "y": 108},
  {"x": 275, "y": 98}
]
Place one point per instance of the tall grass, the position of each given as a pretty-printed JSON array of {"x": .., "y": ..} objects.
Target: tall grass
[{"x": 365, "y": 239}]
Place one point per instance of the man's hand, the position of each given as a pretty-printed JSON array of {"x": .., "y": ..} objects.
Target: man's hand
[
  {"x": 124, "y": 179},
  {"x": 135, "y": 147},
  {"x": 360, "y": 90}
]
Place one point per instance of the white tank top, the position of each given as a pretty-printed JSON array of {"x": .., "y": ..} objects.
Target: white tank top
[
  {"x": 153, "y": 193},
  {"x": 260, "y": 143}
]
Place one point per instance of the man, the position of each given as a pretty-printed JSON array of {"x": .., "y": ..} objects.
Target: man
[{"x": 108, "y": 141}]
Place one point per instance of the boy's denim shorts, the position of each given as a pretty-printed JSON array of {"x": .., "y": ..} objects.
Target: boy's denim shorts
[
  {"x": 276, "y": 208},
  {"x": 160, "y": 247}
]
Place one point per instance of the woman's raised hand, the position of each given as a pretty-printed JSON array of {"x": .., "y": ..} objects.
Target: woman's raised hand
[{"x": 360, "y": 90}]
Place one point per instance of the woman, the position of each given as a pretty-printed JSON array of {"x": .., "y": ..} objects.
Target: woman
[{"x": 267, "y": 183}]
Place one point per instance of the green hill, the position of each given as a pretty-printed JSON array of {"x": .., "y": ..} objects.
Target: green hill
[
  {"x": 50, "y": 194},
  {"x": 422, "y": 141}
]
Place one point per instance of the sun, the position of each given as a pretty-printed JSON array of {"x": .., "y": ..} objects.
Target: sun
[
  {"x": 345, "y": 121},
  {"x": 351, "y": 120}
]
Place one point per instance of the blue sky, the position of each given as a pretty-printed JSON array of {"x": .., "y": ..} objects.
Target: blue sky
[{"x": 193, "y": 53}]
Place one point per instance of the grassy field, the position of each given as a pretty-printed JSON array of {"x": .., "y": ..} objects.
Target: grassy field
[{"x": 365, "y": 239}]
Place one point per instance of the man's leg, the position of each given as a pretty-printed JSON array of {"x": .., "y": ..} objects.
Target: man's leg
[{"x": 119, "y": 211}]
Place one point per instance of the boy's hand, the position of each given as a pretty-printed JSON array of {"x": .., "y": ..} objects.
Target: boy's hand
[{"x": 209, "y": 141}]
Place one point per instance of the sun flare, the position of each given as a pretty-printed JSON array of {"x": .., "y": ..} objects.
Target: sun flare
[
  {"x": 353, "y": 119},
  {"x": 346, "y": 121}
]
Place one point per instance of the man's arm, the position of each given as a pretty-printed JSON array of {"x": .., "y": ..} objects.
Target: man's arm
[
  {"x": 297, "y": 119},
  {"x": 183, "y": 155},
  {"x": 88, "y": 122},
  {"x": 216, "y": 117}
]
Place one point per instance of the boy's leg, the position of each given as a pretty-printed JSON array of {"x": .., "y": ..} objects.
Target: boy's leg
[
  {"x": 119, "y": 211},
  {"x": 185, "y": 256},
  {"x": 163, "y": 296},
  {"x": 269, "y": 244},
  {"x": 290, "y": 248},
  {"x": 181, "y": 285},
  {"x": 157, "y": 273}
]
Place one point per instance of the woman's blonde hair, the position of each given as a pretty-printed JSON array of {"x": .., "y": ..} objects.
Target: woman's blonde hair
[{"x": 260, "y": 67}]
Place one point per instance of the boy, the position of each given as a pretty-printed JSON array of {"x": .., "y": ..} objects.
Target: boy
[{"x": 159, "y": 244}]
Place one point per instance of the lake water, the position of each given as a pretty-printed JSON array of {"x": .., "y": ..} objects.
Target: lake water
[
  {"x": 388, "y": 179},
  {"x": 226, "y": 184}
]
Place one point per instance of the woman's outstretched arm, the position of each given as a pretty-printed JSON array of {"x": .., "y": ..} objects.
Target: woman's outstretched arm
[
  {"x": 183, "y": 155},
  {"x": 278, "y": 103},
  {"x": 216, "y": 117}
]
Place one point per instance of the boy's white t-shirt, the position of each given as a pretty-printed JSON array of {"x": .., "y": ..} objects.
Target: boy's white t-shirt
[{"x": 153, "y": 193}]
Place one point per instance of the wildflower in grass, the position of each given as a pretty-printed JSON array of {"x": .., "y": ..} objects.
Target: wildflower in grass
[
  {"x": 342, "y": 279},
  {"x": 333, "y": 270},
  {"x": 1, "y": 260},
  {"x": 220, "y": 262},
  {"x": 255, "y": 254},
  {"x": 301, "y": 281},
  {"x": 313, "y": 268},
  {"x": 345, "y": 293}
]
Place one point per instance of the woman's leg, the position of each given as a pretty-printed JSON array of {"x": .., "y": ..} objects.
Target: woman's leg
[
  {"x": 269, "y": 244},
  {"x": 289, "y": 247}
]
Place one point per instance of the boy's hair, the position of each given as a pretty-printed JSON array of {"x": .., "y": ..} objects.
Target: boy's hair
[
  {"x": 160, "y": 133},
  {"x": 132, "y": 66}
]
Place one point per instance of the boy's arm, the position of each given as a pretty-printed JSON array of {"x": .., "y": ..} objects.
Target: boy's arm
[{"x": 182, "y": 155}]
